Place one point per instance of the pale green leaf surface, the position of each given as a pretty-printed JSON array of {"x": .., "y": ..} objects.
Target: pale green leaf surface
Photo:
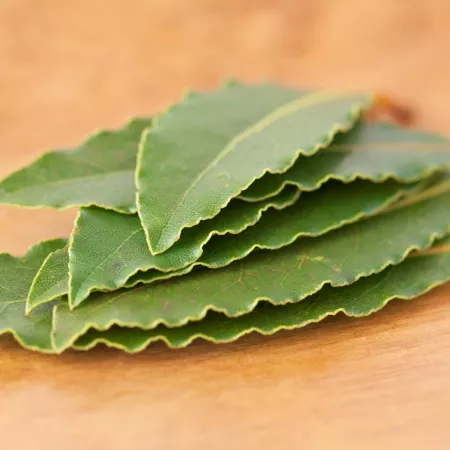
[
  {"x": 331, "y": 207},
  {"x": 219, "y": 253},
  {"x": 413, "y": 277},
  {"x": 204, "y": 151},
  {"x": 107, "y": 247},
  {"x": 51, "y": 281},
  {"x": 99, "y": 172},
  {"x": 17, "y": 274},
  {"x": 318, "y": 212},
  {"x": 371, "y": 151},
  {"x": 288, "y": 275}
]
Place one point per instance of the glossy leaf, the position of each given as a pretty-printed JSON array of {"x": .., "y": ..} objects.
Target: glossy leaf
[
  {"x": 32, "y": 332},
  {"x": 207, "y": 149},
  {"x": 107, "y": 267},
  {"x": 413, "y": 277},
  {"x": 288, "y": 275},
  {"x": 99, "y": 172},
  {"x": 370, "y": 151}
]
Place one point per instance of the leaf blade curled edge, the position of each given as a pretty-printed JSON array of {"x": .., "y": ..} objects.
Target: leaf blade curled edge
[
  {"x": 408, "y": 280},
  {"x": 107, "y": 248},
  {"x": 370, "y": 151},
  {"x": 319, "y": 212},
  {"x": 33, "y": 331},
  {"x": 202, "y": 140},
  {"x": 99, "y": 172},
  {"x": 287, "y": 275},
  {"x": 51, "y": 281},
  {"x": 315, "y": 214}
]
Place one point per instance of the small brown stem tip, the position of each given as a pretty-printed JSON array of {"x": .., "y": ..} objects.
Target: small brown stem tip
[{"x": 387, "y": 109}]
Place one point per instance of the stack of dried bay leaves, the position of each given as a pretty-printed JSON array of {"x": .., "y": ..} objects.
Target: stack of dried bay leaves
[{"x": 252, "y": 208}]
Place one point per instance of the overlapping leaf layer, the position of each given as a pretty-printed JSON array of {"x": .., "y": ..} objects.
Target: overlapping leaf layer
[{"x": 259, "y": 208}]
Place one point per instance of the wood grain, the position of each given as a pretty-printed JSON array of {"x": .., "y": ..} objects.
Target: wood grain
[{"x": 375, "y": 383}]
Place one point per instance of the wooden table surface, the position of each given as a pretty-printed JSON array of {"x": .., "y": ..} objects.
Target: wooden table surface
[{"x": 69, "y": 67}]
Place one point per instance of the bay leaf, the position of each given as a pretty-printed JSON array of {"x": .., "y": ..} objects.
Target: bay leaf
[
  {"x": 284, "y": 276},
  {"x": 17, "y": 274},
  {"x": 51, "y": 281},
  {"x": 370, "y": 151},
  {"x": 205, "y": 150},
  {"x": 103, "y": 266},
  {"x": 408, "y": 280},
  {"x": 107, "y": 247},
  {"x": 98, "y": 172},
  {"x": 319, "y": 212}
]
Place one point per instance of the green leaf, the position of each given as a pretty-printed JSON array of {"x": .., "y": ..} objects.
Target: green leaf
[
  {"x": 411, "y": 278},
  {"x": 17, "y": 274},
  {"x": 51, "y": 281},
  {"x": 288, "y": 275},
  {"x": 370, "y": 151},
  {"x": 99, "y": 172},
  {"x": 108, "y": 247},
  {"x": 318, "y": 212},
  {"x": 262, "y": 238},
  {"x": 207, "y": 149}
]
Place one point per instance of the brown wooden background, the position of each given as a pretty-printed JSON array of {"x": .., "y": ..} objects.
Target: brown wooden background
[{"x": 67, "y": 67}]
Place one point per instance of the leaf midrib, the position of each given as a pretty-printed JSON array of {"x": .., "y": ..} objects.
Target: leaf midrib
[
  {"x": 260, "y": 125},
  {"x": 71, "y": 180},
  {"x": 94, "y": 268}
]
